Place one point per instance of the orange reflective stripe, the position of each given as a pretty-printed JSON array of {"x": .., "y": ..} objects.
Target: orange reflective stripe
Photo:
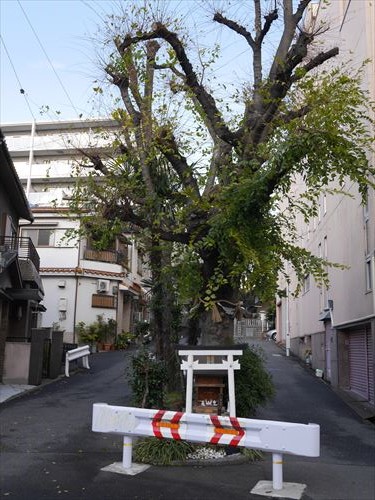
[
  {"x": 169, "y": 425},
  {"x": 222, "y": 430}
]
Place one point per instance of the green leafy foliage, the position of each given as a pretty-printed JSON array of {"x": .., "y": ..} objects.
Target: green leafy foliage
[
  {"x": 124, "y": 340},
  {"x": 169, "y": 451},
  {"x": 253, "y": 384},
  {"x": 102, "y": 330},
  {"x": 161, "y": 451},
  {"x": 147, "y": 378}
]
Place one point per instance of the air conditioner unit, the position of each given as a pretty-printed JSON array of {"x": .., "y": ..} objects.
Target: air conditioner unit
[{"x": 103, "y": 286}]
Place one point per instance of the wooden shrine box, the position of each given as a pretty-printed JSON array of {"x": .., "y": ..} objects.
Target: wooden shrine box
[{"x": 208, "y": 394}]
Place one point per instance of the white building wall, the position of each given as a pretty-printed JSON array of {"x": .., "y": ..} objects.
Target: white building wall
[{"x": 69, "y": 280}]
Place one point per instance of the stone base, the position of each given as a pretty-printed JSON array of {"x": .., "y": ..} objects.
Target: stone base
[
  {"x": 119, "y": 469},
  {"x": 289, "y": 490}
]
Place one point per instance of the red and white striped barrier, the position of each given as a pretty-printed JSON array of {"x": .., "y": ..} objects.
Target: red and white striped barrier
[{"x": 267, "y": 435}]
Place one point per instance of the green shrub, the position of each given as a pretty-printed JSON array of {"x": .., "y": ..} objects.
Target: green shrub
[
  {"x": 161, "y": 451},
  {"x": 167, "y": 451},
  {"x": 141, "y": 328},
  {"x": 147, "y": 379},
  {"x": 87, "y": 334},
  {"x": 252, "y": 455},
  {"x": 254, "y": 386},
  {"x": 102, "y": 330},
  {"x": 124, "y": 339}
]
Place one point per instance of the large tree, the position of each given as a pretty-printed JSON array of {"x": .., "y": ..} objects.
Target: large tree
[{"x": 208, "y": 172}]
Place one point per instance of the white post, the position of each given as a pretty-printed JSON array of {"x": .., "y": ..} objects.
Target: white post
[
  {"x": 287, "y": 338},
  {"x": 189, "y": 385},
  {"x": 277, "y": 471},
  {"x": 231, "y": 392},
  {"x": 31, "y": 159},
  {"x": 127, "y": 452}
]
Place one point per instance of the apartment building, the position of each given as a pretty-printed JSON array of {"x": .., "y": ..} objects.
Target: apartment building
[
  {"x": 334, "y": 328},
  {"x": 80, "y": 282}
]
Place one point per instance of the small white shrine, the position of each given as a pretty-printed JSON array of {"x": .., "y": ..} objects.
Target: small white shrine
[{"x": 209, "y": 366}]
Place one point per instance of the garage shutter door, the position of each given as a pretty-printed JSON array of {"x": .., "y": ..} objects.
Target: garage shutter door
[
  {"x": 361, "y": 364},
  {"x": 370, "y": 357},
  {"x": 358, "y": 363}
]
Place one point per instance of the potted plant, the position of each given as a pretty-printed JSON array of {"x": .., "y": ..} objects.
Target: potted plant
[
  {"x": 107, "y": 332},
  {"x": 88, "y": 334}
]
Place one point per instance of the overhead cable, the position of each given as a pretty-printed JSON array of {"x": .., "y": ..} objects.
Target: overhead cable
[
  {"x": 48, "y": 59},
  {"x": 22, "y": 90}
]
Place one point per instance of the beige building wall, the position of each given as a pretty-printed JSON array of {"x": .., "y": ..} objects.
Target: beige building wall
[{"x": 344, "y": 231}]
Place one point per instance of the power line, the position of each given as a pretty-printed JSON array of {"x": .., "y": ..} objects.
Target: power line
[
  {"x": 22, "y": 91},
  {"x": 48, "y": 59}
]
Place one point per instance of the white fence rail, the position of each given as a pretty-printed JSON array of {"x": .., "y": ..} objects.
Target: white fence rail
[
  {"x": 78, "y": 353},
  {"x": 277, "y": 438}
]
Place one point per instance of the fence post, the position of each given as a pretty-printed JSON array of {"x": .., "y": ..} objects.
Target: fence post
[
  {"x": 127, "y": 452},
  {"x": 277, "y": 471}
]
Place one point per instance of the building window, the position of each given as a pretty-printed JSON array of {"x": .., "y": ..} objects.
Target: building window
[
  {"x": 104, "y": 301},
  {"x": 368, "y": 259},
  {"x": 40, "y": 237},
  {"x": 369, "y": 283},
  {"x": 324, "y": 289},
  {"x": 324, "y": 204},
  {"x": 306, "y": 283}
]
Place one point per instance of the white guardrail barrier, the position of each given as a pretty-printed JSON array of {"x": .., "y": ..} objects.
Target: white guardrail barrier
[
  {"x": 80, "y": 352},
  {"x": 277, "y": 438}
]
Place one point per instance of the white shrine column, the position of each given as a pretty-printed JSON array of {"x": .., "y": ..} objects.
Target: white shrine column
[{"x": 189, "y": 384}]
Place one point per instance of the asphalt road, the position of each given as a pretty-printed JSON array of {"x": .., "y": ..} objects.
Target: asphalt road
[{"x": 49, "y": 451}]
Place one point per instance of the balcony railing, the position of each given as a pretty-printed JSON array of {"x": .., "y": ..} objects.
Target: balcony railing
[
  {"x": 111, "y": 256},
  {"x": 24, "y": 248},
  {"x": 101, "y": 255}
]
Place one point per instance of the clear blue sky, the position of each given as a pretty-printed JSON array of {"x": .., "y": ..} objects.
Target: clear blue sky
[{"x": 65, "y": 29}]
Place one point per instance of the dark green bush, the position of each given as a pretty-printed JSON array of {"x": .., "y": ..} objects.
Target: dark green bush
[
  {"x": 161, "y": 451},
  {"x": 254, "y": 386},
  {"x": 147, "y": 379}
]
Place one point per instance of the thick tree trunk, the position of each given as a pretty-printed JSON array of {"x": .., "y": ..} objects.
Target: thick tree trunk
[{"x": 216, "y": 327}]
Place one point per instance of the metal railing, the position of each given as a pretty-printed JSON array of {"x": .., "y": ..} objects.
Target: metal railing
[{"x": 24, "y": 248}]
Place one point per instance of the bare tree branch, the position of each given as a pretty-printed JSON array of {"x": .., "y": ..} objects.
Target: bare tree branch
[
  {"x": 269, "y": 19},
  {"x": 301, "y": 10},
  {"x": 169, "y": 148},
  {"x": 122, "y": 82},
  {"x": 315, "y": 62},
  {"x": 290, "y": 24},
  {"x": 96, "y": 161},
  {"x": 140, "y": 119},
  {"x": 205, "y": 99},
  {"x": 296, "y": 113},
  {"x": 219, "y": 18}
]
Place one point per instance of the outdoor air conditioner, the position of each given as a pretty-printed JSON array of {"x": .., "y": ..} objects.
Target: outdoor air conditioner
[{"x": 103, "y": 286}]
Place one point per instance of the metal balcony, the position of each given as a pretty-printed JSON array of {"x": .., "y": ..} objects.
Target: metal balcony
[{"x": 22, "y": 247}]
